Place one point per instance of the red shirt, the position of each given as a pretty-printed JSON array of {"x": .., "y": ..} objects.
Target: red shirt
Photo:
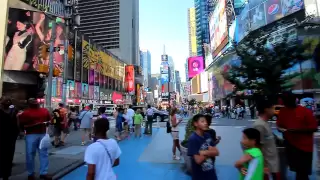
[
  {"x": 33, "y": 120},
  {"x": 298, "y": 118}
]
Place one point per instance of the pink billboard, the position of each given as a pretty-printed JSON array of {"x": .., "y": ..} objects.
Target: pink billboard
[{"x": 195, "y": 66}]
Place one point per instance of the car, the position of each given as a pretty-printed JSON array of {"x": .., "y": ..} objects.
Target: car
[{"x": 277, "y": 109}]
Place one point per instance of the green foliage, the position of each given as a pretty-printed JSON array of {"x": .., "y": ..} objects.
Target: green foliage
[
  {"x": 263, "y": 68},
  {"x": 192, "y": 102},
  {"x": 189, "y": 131}
]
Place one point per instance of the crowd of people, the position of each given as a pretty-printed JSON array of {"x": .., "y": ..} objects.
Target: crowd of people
[{"x": 260, "y": 158}]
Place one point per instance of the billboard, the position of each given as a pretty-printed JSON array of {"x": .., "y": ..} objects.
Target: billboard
[
  {"x": 218, "y": 25},
  {"x": 195, "y": 84},
  {"x": 243, "y": 23},
  {"x": 195, "y": 66},
  {"x": 257, "y": 17},
  {"x": 78, "y": 90},
  {"x": 204, "y": 81},
  {"x": 70, "y": 89},
  {"x": 129, "y": 78},
  {"x": 91, "y": 92},
  {"x": 85, "y": 90},
  {"x": 291, "y": 6},
  {"x": 164, "y": 57},
  {"x": 96, "y": 93},
  {"x": 26, "y": 32},
  {"x": 164, "y": 78},
  {"x": 164, "y": 68},
  {"x": 273, "y": 10},
  {"x": 192, "y": 31}
]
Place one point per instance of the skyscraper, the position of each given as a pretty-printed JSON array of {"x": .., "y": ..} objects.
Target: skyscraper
[
  {"x": 178, "y": 81},
  {"x": 203, "y": 9},
  {"x": 145, "y": 62},
  {"x": 192, "y": 32},
  {"x": 113, "y": 24},
  {"x": 186, "y": 70}
]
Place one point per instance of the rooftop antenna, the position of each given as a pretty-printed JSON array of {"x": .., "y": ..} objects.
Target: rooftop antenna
[{"x": 164, "y": 49}]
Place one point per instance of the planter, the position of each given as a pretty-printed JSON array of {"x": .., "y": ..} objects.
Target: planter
[{"x": 187, "y": 159}]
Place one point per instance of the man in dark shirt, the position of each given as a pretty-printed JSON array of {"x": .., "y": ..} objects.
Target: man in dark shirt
[
  {"x": 202, "y": 151},
  {"x": 34, "y": 121}
]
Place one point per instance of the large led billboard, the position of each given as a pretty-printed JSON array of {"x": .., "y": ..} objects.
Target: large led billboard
[
  {"x": 195, "y": 66},
  {"x": 26, "y": 32},
  {"x": 218, "y": 25}
]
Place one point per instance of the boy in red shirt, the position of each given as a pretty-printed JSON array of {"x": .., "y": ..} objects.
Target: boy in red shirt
[{"x": 298, "y": 125}]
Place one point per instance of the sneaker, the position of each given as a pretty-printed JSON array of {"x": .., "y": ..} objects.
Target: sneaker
[
  {"x": 83, "y": 143},
  {"x": 176, "y": 157}
]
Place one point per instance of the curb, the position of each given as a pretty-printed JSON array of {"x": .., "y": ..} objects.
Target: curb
[{"x": 66, "y": 170}]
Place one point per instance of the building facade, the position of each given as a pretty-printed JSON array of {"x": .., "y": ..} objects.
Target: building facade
[
  {"x": 113, "y": 24},
  {"x": 172, "y": 78},
  {"x": 145, "y": 62},
  {"x": 186, "y": 70},
  {"x": 192, "y": 32},
  {"x": 178, "y": 81},
  {"x": 202, "y": 10}
]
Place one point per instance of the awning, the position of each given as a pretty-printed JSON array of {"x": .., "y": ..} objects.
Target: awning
[
  {"x": 198, "y": 97},
  {"x": 20, "y": 77},
  {"x": 21, "y": 5}
]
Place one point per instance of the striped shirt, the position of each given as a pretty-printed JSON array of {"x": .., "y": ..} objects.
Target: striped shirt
[{"x": 149, "y": 112}]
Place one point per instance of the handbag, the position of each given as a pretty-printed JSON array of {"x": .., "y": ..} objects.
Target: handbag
[
  {"x": 169, "y": 129},
  {"x": 45, "y": 141}
]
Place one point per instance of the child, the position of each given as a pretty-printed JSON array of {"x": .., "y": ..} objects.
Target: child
[
  {"x": 251, "y": 163},
  {"x": 137, "y": 118},
  {"x": 202, "y": 151},
  {"x": 103, "y": 154},
  {"x": 216, "y": 139}
]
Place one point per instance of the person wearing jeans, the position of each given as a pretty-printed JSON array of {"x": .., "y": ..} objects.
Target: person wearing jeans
[
  {"x": 32, "y": 145},
  {"x": 148, "y": 128},
  {"x": 34, "y": 121}
]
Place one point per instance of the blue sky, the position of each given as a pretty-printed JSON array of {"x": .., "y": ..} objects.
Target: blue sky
[{"x": 165, "y": 22}]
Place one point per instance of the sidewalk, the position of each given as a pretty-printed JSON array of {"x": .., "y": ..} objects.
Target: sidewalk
[{"x": 61, "y": 160}]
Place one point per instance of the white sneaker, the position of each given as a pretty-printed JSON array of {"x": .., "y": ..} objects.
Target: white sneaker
[{"x": 176, "y": 157}]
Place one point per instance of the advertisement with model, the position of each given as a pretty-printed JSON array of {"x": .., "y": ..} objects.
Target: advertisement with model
[
  {"x": 27, "y": 33},
  {"x": 195, "y": 66}
]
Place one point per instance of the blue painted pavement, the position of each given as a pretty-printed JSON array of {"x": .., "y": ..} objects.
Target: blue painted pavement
[{"x": 151, "y": 158}]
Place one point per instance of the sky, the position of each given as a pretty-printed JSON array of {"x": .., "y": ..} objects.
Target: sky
[{"x": 165, "y": 22}]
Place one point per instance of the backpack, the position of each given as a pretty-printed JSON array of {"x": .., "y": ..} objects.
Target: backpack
[{"x": 57, "y": 119}]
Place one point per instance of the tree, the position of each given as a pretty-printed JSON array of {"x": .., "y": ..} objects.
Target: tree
[
  {"x": 192, "y": 102},
  {"x": 263, "y": 68}
]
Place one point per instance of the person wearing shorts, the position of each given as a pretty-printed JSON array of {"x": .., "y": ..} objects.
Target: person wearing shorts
[
  {"x": 86, "y": 124},
  {"x": 175, "y": 133}
]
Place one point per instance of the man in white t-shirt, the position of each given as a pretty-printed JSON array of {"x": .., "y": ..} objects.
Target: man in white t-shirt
[
  {"x": 130, "y": 114},
  {"x": 103, "y": 154}
]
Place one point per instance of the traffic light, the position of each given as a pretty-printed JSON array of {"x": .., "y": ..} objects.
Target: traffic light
[
  {"x": 44, "y": 51},
  {"x": 70, "y": 53}
]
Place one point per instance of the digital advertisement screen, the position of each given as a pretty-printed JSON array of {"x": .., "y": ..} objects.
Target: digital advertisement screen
[
  {"x": 273, "y": 9},
  {"x": 91, "y": 77},
  {"x": 195, "y": 66},
  {"x": 204, "y": 81},
  {"x": 129, "y": 78},
  {"x": 26, "y": 32},
  {"x": 218, "y": 25}
]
